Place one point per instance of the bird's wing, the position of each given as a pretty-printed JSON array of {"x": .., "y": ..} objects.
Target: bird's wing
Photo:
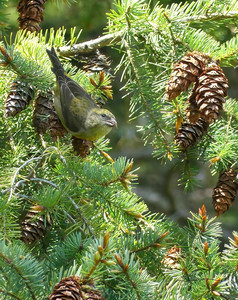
[{"x": 75, "y": 104}]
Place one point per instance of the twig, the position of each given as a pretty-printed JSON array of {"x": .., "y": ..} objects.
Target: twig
[
  {"x": 72, "y": 220},
  {"x": 37, "y": 166},
  {"x": 67, "y": 214},
  {"x": 71, "y": 200},
  {"x": 211, "y": 17},
  {"x": 12, "y": 188},
  {"x": 62, "y": 158},
  {"x": 81, "y": 216},
  {"x": 21, "y": 182},
  {"x": 70, "y": 217},
  {"x": 23, "y": 196},
  {"x": 90, "y": 46}
]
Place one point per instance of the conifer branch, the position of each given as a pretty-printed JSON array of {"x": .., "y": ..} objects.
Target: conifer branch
[
  {"x": 27, "y": 198},
  {"x": 82, "y": 217},
  {"x": 62, "y": 158},
  {"x": 154, "y": 244},
  {"x": 28, "y": 177},
  {"x": 143, "y": 97},
  {"x": 9, "y": 61},
  {"x": 228, "y": 55},
  {"x": 21, "y": 182},
  {"x": 72, "y": 220},
  {"x": 11, "y": 263},
  {"x": 96, "y": 263},
  {"x": 5, "y": 292},
  {"x": 209, "y": 17},
  {"x": 90, "y": 46},
  {"x": 174, "y": 42},
  {"x": 125, "y": 271},
  {"x": 37, "y": 166},
  {"x": 12, "y": 188}
]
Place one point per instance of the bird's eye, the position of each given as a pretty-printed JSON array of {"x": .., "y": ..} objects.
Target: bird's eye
[{"x": 103, "y": 115}]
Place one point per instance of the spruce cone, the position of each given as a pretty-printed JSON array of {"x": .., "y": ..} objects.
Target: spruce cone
[
  {"x": 73, "y": 288},
  {"x": 184, "y": 73},
  {"x": 18, "y": 98},
  {"x": 172, "y": 258},
  {"x": 189, "y": 134},
  {"x": 82, "y": 147},
  {"x": 45, "y": 117},
  {"x": 225, "y": 191},
  {"x": 93, "y": 62},
  {"x": 57, "y": 130},
  {"x": 192, "y": 111},
  {"x": 35, "y": 225},
  {"x": 30, "y": 14},
  {"x": 210, "y": 92}
]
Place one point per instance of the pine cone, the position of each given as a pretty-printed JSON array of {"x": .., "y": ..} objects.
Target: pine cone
[
  {"x": 82, "y": 147},
  {"x": 225, "y": 191},
  {"x": 184, "y": 73},
  {"x": 73, "y": 288},
  {"x": 42, "y": 112},
  {"x": 189, "y": 134},
  {"x": 210, "y": 92},
  {"x": 35, "y": 225},
  {"x": 18, "y": 98},
  {"x": 30, "y": 14},
  {"x": 192, "y": 111},
  {"x": 93, "y": 62},
  {"x": 45, "y": 117},
  {"x": 172, "y": 258},
  {"x": 56, "y": 128}
]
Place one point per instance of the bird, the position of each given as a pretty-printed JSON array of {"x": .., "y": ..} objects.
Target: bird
[{"x": 77, "y": 111}]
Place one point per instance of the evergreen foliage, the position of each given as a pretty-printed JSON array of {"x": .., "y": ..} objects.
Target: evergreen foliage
[{"x": 100, "y": 230}]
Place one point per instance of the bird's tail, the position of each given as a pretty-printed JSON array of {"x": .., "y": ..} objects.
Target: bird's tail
[{"x": 57, "y": 66}]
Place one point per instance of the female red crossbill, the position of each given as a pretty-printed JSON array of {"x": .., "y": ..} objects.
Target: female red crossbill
[{"x": 76, "y": 109}]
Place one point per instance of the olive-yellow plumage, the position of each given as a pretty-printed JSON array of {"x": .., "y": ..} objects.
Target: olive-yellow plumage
[{"x": 77, "y": 111}]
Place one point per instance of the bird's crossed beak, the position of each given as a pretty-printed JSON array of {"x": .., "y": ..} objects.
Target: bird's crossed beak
[{"x": 112, "y": 122}]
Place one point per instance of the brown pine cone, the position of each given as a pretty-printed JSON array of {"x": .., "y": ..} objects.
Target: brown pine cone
[
  {"x": 189, "y": 134},
  {"x": 184, "y": 73},
  {"x": 192, "y": 111},
  {"x": 210, "y": 92},
  {"x": 30, "y": 14},
  {"x": 45, "y": 117},
  {"x": 18, "y": 98},
  {"x": 225, "y": 191},
  {"x": 72, "y": 288},
  {"x": 35, "y": 225}
]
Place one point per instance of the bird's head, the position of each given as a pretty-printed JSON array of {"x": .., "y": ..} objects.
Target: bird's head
[{"x": 100, "y": 122}]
